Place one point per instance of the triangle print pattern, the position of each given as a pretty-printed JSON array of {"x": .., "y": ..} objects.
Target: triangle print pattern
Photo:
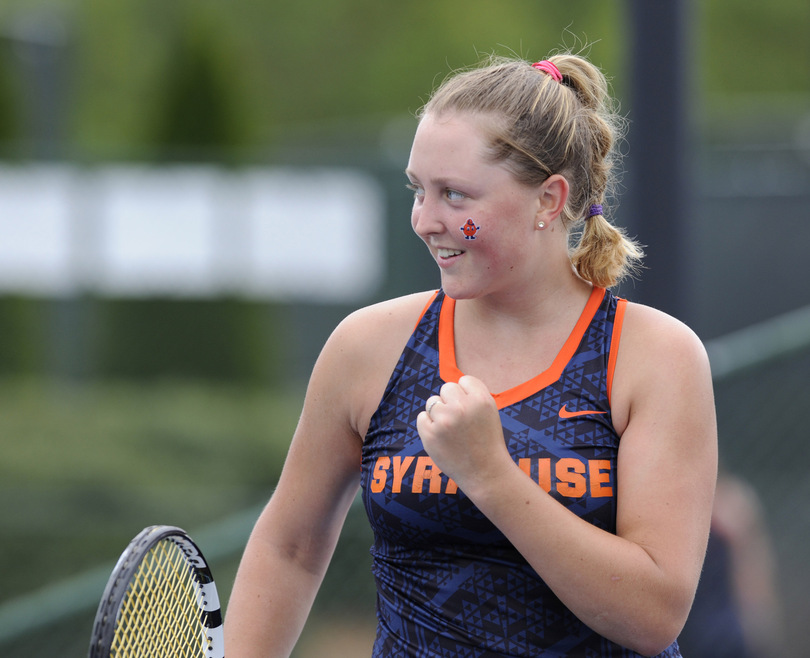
[{"x": 449, "y": 583}]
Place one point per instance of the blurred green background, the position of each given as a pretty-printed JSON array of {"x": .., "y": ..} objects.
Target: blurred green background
[
  {"x": 121, "y": 412},
  {"x": 143, "y": 79}
]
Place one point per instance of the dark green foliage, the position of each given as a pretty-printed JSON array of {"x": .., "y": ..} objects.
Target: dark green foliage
[
  {"x": 9, "y": 112},
  {"x": 89, "y": 338},
  {"x": 209, "y": 339},
  {"x": 196, "y": 116},
  {"x": 221, "y": 80},
  {"x": 23, "y": 324}
]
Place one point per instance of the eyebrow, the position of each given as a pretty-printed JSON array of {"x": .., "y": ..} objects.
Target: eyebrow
[{"x": 440, "y": 182}]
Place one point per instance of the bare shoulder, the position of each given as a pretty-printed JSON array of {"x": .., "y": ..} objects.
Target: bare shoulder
[
  {"x": 650, "y": 334},
  {"x": 407, "y": 308},
  {"x": 363, "y": 350},
  {"x": 659, "y": 356},
  {"x": 376, "y": 329}
]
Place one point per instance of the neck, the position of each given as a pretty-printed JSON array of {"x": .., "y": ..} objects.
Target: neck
[
  {"x": 531, "y": 306},
  {"x": 524, "y": 335}
]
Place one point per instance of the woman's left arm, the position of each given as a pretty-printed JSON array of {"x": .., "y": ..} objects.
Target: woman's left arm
[{"x": 635, "y": 587}]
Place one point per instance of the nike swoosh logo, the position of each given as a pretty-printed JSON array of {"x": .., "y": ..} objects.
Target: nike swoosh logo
[{"x": 564, "y": 413}]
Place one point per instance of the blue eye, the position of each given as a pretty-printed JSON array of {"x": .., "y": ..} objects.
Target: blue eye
[{"x": 453, "y": 195}]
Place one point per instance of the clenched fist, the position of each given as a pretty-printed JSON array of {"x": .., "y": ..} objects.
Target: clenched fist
[{"x": 461, "y": 431}]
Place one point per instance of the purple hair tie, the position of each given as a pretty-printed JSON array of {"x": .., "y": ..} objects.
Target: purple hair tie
[{"x": 595, "y": 209}]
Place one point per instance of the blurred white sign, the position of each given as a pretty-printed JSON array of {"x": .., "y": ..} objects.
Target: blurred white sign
[
  {"x": 34, "y": 230},
  {"x": 305, "y": 234}
]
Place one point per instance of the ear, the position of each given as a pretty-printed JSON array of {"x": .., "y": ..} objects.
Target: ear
[{"x": 552, "y": 197}]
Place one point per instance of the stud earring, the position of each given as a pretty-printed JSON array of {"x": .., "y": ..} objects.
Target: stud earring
[{"x": 541, "y": 225}]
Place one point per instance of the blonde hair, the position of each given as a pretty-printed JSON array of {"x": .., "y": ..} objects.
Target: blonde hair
[{"x": 543, "y": 127}]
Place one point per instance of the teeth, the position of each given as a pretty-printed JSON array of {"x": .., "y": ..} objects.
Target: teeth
[{"x": 447, "y": 253}]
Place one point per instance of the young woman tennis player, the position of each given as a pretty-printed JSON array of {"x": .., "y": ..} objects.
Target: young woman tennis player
[{"x": 537, "y": 457}]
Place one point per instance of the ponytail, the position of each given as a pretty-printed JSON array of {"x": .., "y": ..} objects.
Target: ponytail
[{"x": 605, "y": 255}]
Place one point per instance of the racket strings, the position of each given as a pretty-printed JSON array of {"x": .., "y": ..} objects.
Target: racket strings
[{"x": 160, "y": 614}]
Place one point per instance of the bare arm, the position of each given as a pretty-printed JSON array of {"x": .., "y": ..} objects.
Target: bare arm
[
  {"x": 292, "y": 543},
  {"x": 293, "y": 540},
  {"x": 635, "y": 587}
]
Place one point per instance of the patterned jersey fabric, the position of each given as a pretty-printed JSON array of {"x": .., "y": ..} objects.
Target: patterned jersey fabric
[{"x": 448, "y": 582}]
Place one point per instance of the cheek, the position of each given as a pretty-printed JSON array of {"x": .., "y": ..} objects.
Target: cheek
[
  {"x": 504, "y": 244},
  {"x": 501, "y": 261}
]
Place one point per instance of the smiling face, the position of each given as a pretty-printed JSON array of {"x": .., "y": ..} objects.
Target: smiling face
[{"x": 453, "y": 182}]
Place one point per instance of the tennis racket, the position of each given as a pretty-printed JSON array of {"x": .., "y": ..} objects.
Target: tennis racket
[{"x": 160, "y": 601}]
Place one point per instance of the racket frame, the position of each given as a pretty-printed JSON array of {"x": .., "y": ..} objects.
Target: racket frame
[{"x": 119, "y": 581}]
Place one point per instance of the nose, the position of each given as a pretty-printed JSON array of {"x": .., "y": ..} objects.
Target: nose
[{"x": 426, "y": 219}]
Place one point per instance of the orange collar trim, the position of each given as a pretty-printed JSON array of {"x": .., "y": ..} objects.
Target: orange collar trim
[{"x": 449, "y": 372}]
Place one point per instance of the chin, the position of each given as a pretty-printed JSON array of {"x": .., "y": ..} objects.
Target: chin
[{"x": 457, "y": 291}]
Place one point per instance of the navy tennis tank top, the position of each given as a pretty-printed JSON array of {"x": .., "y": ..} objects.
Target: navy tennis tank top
[{"x": 448, "y": 582}]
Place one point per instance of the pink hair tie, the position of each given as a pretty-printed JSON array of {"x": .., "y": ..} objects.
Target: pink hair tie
[{"x": 549, "y": 67}]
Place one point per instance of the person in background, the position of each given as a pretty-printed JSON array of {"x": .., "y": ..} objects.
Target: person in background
[
  {"x": 736, "y": 612},
  {"x": 537, "y": 456}
]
